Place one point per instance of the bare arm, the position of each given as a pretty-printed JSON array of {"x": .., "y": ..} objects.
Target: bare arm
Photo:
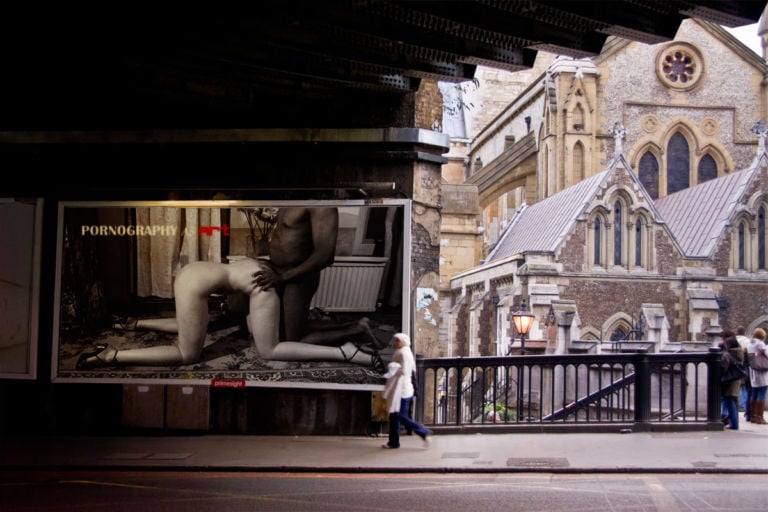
[{"x": 324, "y": 227}]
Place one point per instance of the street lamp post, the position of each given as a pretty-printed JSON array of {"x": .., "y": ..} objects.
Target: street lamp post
[{"x": 523, "y": 320}]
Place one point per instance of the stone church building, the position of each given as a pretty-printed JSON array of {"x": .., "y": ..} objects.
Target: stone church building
[{"x": 621, "y": 197}]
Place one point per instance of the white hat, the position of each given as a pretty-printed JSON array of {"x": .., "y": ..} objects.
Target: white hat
[
  {"x": 392, "y": 369},
  {"x": 404, "y": 338}
]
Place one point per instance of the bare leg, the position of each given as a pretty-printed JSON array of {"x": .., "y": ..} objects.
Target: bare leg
[
  {"x": 337, "y": 334},
  {"x": 263, "y": 321},
  {"x": 146, "y": 324},
  {"x": 194, "y": 283},
  {"x": 158, "y": 324},
  {"x": 295, "y": 301}
]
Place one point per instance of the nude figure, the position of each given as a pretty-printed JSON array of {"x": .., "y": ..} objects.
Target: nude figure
[
  {"x": 302, "y": 245},
  {"x": 193, "y": 284}
]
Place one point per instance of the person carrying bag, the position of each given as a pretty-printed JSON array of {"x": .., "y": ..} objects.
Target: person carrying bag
[
  {"x": 731, "y": 363},
  {"x": 756, "y": 351}
]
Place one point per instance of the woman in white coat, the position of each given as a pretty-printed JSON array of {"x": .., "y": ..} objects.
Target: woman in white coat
[{"x": 398, "y": 392}]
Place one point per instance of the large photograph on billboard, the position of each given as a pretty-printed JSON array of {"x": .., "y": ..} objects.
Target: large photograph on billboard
[
  {"x": 252, "y": 293},
  {"x": 21, "y": 222}
]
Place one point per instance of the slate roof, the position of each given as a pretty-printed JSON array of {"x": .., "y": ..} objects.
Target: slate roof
[
  {"x": 541, "y": 227},
  {"x": 697, "y": 216}
]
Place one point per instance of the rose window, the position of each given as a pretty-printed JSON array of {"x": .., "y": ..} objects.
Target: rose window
[{"x": 679, "y": 66}]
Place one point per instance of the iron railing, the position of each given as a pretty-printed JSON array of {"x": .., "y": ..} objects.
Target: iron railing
[{"x": 632, "y": 390}]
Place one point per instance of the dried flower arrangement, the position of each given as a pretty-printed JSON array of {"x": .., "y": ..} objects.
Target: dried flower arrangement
[{"x": 262, "y": 222}]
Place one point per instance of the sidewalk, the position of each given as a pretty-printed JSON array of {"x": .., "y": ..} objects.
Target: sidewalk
[{"x": 742, "y": 451}]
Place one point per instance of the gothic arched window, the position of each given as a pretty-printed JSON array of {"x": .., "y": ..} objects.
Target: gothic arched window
[
  {"x": 639, "y": 243},
  {"x": 678, "y": 164},
  {"x": 619, "y": 334},
  {"x": 761, "y": 263},
  {"x": 741, "y": 245},
  {"x": 707, "y": 169},
  {"x": 649, "y": 174},
  {"x": 617, "y": 233},
  {"x": 598, "y": 235}
]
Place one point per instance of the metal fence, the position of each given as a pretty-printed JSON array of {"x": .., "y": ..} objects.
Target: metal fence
[{"x": 637, "y": 390}]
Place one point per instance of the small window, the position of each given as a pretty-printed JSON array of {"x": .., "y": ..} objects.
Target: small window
[
  {"x": 678, "y": 164},
  {"x": 638, "y": 243},
  {"x": 707, "y": 169},
  {"x": 649, "y": 174},
  {"x": 617, "y": 233},
  {"x": 598, "y": 234},
  {"x": 761, "y": 264},
  {"x": 619, "y": 334},
  {"x": 742, "y": 245}
]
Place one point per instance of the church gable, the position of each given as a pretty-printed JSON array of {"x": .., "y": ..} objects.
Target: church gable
[
  {"x": 702, "y": 90},
  {"x": 724, "y": 210},
  {"x": 619, "y": 224},
  {"x": 543, "y": 226},
  {"x": 742, "y": 245},
  {"x": 602, "y": 223}
]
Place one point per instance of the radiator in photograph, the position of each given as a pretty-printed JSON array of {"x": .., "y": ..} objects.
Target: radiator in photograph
[{"x": 352, "y": 283}]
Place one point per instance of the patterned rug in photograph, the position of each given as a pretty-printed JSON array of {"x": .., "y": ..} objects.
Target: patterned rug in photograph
[{"x": 228, "y": 354}]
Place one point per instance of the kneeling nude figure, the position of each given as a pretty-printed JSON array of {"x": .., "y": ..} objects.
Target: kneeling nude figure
[{"x": 192, "y": 287}]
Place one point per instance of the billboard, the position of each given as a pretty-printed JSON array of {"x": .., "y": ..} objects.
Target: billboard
[
  {"x": 21, "y": 222},
  {"x": 230, "y": 293}
]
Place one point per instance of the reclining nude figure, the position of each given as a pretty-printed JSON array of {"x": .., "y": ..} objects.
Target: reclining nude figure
[{"x": 192, "y": 287}]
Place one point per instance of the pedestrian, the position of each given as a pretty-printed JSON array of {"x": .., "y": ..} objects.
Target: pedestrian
[
  {"x": 758, "y": 378},
  {"x": 746, "y": 387},
  {"x": 399, "y": 392},
  {"x": 733, "y": 355}
]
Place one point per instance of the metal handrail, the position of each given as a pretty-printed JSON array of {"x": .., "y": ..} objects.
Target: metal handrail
[{"x": 640, "y": 389}]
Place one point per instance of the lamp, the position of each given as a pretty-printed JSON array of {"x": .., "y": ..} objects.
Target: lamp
[{"x": 523, "y": 320}]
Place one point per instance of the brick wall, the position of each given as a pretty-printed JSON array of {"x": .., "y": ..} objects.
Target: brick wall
[
  {"x": 572, "y": 252},
  {"x": 599, "y": 299},
  {"x": 429, "y": 105}
]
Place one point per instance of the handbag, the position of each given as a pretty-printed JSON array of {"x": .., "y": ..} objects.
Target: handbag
[
  {"x": 735, "y": 371},
  {"x": 758, "y": 361},
  {"x": 415, "y": 383}
]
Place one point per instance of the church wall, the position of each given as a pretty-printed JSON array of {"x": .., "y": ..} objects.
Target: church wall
[
  {"x": 668, "y": 258},
  {"x": 497, "y": 90},
  {"x": 572, "y": 252},
  {"x": 721, "y": 258},
  {"x": 454, "y": 170},
  {"x": 745, "y": 303},
  {"x": 728, "y": 92},
  {"x": 460, "y": 242},
  {"x": 490, "y": 143},
  {"x": 600, "y": 298},
  {"x": 428, "y": 105},
  {"x": 461, "y": 334}
]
